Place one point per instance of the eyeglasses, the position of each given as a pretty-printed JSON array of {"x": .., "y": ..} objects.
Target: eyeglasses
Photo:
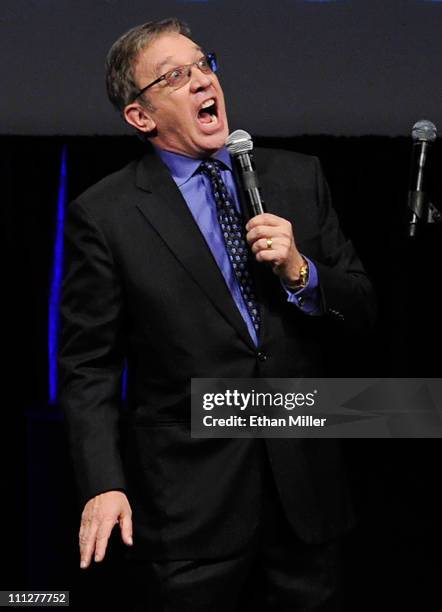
[{"x": 179, "y": 76}]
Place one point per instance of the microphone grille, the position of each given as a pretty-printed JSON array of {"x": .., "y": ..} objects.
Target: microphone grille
[
  {"x": 239, "y": 142},
  {"x": 424, "y": 130}
]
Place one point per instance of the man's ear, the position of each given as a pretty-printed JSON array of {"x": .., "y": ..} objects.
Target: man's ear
[{"x": 140, "y": 118}]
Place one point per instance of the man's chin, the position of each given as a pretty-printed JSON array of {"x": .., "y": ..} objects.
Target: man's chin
[{"x": 209, "y": 144}]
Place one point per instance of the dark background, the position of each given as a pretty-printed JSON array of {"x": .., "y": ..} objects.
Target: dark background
[
  {"x": 393, "y": 556},
  {"x": 344, "y": 81},
  {"x": 289, "y": 67}
]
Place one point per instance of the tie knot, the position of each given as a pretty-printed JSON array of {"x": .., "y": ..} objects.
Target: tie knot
[{"x": 211, "y": 167}]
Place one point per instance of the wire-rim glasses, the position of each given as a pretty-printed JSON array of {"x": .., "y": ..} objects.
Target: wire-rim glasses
[{"x": 180, "y": 75}]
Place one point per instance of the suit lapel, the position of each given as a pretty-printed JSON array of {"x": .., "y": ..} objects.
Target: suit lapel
[{"x": 167, "y": 212}]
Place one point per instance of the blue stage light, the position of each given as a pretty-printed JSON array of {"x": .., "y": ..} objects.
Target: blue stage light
[{"x": 57, "y": 271}]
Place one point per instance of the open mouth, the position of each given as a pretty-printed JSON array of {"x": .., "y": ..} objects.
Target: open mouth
[{"x": 208, "y": 112}]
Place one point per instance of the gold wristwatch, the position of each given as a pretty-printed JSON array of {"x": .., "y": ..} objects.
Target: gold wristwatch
[{"x": 303, "y": 277}]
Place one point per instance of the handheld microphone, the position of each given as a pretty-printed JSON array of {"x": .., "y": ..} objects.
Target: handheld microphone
[
  {"x": 240, "y": 146},
  {"x": 423, "y": 134}
]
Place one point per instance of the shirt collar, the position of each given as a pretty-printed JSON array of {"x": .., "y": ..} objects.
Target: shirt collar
[{"x": 183, "y": 168}]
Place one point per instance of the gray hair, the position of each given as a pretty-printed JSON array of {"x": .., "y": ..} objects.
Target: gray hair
[{"x": 122, "y": 57}]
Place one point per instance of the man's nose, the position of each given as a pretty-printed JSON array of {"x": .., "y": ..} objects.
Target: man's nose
[{"x": 199, "y": 80}]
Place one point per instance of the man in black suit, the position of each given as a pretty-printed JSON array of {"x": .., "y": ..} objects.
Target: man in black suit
[{"x": 151, "y": 279}]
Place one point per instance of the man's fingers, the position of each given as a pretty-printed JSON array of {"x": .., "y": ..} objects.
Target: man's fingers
[
  {"x": 264, "y": 219},
  {"x": 276, "y": 243},
  {"x": 267, "y": 231},
  {"x": 103, "y": 535},
  {"x": 99, "y": 517},
  {"x": 126, "y": 528},
  {"x": 271, "y": 255},
  {"x": 87, "y": 536}
]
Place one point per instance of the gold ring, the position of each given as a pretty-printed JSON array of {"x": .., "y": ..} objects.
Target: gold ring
[{"x": 269, "y": 243}]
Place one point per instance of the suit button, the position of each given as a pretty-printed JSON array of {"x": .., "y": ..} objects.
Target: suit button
[{"x": 261, "y": 357}]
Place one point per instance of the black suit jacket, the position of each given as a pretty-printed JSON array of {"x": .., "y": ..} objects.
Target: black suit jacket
[{"x": 141, "y": 284}]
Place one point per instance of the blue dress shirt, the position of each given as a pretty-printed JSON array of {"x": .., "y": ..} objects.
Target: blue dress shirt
[{"x": 197, "y": 191}]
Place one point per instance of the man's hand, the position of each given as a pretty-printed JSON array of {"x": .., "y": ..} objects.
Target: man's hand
[
  {"x": 271, "y": 239},
  {"x": 99, "y": 516}
]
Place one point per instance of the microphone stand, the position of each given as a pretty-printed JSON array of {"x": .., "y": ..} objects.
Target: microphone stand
[
  {"x": 434, "y": 214},
  {"x": 412, "y": 301},
  {"x": 422, "y": 214}
]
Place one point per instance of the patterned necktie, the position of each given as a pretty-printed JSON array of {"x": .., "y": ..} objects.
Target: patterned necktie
[{"x": 234, "y": 238}]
